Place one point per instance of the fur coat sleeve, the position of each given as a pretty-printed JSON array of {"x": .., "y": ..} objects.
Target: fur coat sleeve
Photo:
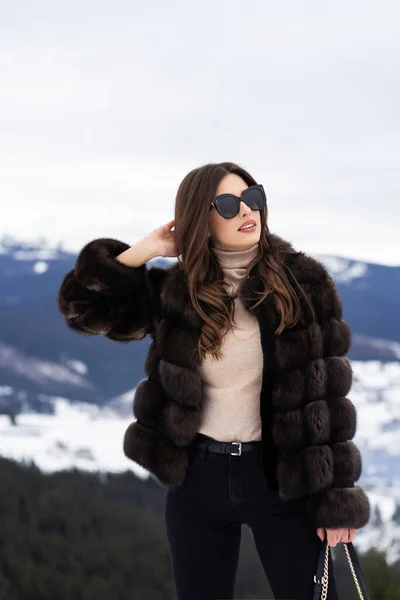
[
  {"x": 102, "y": 296},
  {"x": 343, "y": 503}
]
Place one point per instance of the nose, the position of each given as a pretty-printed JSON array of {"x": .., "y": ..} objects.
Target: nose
[{"x": 244, "y": 209}]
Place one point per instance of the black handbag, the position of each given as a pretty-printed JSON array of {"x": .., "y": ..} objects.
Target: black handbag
[{"x": 321, "y": 576}]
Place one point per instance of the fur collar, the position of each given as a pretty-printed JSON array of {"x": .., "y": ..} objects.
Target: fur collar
[{"x": 299, "y": 268}]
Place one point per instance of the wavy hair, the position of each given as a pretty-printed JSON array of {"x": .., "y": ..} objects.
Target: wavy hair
[{"x": 204, "y": 274}]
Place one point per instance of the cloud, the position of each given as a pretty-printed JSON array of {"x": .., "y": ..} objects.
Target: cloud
[{"x": 105, "y": 109}]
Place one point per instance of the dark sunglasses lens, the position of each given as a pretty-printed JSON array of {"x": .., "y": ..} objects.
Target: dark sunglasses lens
[
  {"x": 227, "y": 206},
  {"x": 254, "y": 198}
]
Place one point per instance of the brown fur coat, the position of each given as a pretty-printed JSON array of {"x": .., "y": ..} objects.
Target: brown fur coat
[{"x": 307, "y": 420}]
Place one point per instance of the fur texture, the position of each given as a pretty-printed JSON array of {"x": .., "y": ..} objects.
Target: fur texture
[{"x": 308, "y": 421}]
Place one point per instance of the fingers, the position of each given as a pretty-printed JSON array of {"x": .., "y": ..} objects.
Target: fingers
[
  {"x": 335, "y": 536},
  {"x": 352, "y": 534},
  {"x": 347, "y": 536},
  {"x": 344, "y": 538}
]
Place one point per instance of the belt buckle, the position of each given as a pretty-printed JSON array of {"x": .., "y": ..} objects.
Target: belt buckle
[{"x": 240, "y": 449}]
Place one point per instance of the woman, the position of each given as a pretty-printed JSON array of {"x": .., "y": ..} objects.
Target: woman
[{"x": 243, "y": 415}]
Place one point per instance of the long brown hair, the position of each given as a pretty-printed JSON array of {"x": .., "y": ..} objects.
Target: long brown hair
[{"x": 203, "y": 272}]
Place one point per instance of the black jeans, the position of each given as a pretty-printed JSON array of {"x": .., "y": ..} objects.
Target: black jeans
[{"x": 203, "y": 519}]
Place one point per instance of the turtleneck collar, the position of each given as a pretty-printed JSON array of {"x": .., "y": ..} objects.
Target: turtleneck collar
[{"x": 234, "y": 259}]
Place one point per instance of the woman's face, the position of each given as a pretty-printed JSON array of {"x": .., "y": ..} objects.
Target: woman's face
[{"x": 225, "y": 233}]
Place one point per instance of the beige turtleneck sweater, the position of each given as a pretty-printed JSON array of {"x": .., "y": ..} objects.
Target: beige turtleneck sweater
[{"x": 231, "y": 408}]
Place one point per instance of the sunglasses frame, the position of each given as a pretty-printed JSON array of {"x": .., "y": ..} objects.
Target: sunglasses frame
[{"x": 258, "y": 186}]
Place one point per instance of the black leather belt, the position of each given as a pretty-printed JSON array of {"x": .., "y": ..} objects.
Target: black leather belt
[{"x": 234, "y": 448}]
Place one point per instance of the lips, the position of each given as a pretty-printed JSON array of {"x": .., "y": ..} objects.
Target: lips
[{"x": 250, "y": 222}]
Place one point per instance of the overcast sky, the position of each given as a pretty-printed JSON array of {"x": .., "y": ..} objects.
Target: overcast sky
[{"x": 105, "y": 106}]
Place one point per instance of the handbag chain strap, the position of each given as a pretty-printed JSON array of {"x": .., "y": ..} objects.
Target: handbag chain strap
[
  {"x": 356, "y": 582},
  {"x": 324, "y": 592}
]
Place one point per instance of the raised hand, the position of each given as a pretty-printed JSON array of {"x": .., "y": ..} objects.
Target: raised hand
[{"x": 164, "y": 239}]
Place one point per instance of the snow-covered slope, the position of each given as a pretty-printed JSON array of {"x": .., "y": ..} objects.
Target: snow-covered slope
[
  {"x": 78, "y": 435},
  {"x": 376, "y": 395}
]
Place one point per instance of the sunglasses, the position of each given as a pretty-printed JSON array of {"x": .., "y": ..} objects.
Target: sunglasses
[{"x": 228, "y": 205}]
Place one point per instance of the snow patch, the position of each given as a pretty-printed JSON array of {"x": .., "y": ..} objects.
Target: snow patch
[{"x": 344, "y": 270}]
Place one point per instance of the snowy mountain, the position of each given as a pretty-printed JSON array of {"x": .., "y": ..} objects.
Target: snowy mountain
[{"x": 39, "y": 355}]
